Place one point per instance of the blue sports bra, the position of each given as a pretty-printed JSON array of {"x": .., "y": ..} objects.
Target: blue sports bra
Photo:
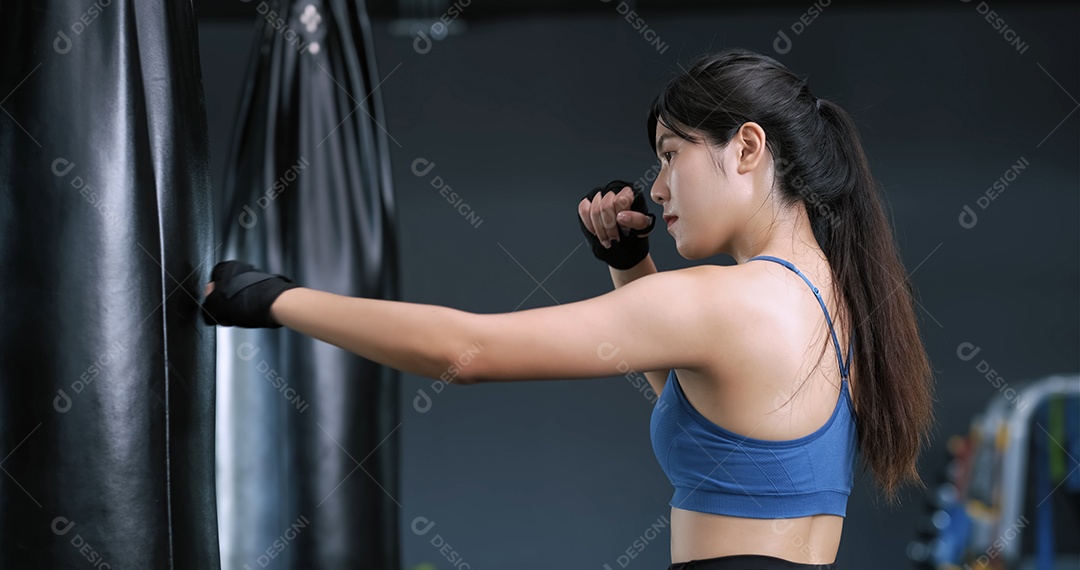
[{"x": 718, "y": 471}]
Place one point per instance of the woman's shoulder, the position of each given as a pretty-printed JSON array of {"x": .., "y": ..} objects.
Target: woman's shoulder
[
  {"x": 746, "y": 303},
  {"x": 727, "y": 296},
  {"x": 729, "y": 286}
]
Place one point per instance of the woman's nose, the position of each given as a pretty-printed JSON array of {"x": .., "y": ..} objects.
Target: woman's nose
[
  {"x": 658, "y": 192},
  {"x": 656, "y": 196}
]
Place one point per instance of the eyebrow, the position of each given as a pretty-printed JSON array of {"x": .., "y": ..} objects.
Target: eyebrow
[{"x": 660, "y": 141}]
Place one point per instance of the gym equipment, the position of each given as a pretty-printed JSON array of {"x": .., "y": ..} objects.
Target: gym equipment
[{"x": 985, "y": 512}]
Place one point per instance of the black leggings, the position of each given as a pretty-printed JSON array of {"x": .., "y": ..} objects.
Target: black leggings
[{"x": 748, "y": 562}]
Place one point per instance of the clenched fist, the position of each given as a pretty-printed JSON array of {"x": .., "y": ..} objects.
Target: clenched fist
[{"x": 616, "y": 222}]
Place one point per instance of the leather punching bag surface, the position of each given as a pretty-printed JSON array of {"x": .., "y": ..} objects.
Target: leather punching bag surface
[
  {"x": 106, "y": 238},
  {"x": 308, "y": 433}
]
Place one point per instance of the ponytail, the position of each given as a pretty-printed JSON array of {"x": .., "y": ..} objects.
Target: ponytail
[{"x": 894, "y": 387}]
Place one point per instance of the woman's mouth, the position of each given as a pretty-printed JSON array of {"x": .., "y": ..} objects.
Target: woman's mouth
[{"x": 670, "y": 220}]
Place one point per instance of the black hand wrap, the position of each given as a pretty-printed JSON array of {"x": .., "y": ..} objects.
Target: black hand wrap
[
  {"x": 242, "y": 296},
  {"x": 633, "y": 246}
]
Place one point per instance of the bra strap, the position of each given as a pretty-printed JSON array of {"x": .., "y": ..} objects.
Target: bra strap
[{"x": 844, "y": 368}]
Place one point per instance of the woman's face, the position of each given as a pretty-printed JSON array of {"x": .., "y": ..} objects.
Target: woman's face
[{"x": 712, "y": 206}]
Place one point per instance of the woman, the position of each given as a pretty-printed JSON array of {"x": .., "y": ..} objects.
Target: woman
[{"x": 757, "y": 434}]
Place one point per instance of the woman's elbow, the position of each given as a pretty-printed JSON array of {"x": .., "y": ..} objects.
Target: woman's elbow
[
  {"x": 464, "y": 366},
  {"x": 468, "y": 358}
]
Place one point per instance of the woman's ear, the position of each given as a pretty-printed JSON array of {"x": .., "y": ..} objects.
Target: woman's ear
[{"x": 749, "y": 143}]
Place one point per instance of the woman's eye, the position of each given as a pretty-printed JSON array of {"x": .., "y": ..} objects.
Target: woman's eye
[{"x": 665, "y": 155}]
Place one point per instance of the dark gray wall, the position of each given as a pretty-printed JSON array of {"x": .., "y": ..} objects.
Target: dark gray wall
[{"x": 522, "y": 117}]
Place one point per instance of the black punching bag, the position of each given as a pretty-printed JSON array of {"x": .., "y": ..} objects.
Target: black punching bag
[
  {"x": 106, "y": 238},
  {"x": 308, "y": 434}
]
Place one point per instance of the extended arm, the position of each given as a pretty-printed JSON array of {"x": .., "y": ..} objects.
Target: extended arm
[
  {"x": 655, "y": 322},
  {"x": 412, "y": 337}
]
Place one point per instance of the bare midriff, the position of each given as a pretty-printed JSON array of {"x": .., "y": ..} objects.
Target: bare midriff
[{"x": 808, "y": 540}]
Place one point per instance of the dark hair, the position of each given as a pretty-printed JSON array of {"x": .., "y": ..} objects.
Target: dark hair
[{"x": 820, "y": 161}]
